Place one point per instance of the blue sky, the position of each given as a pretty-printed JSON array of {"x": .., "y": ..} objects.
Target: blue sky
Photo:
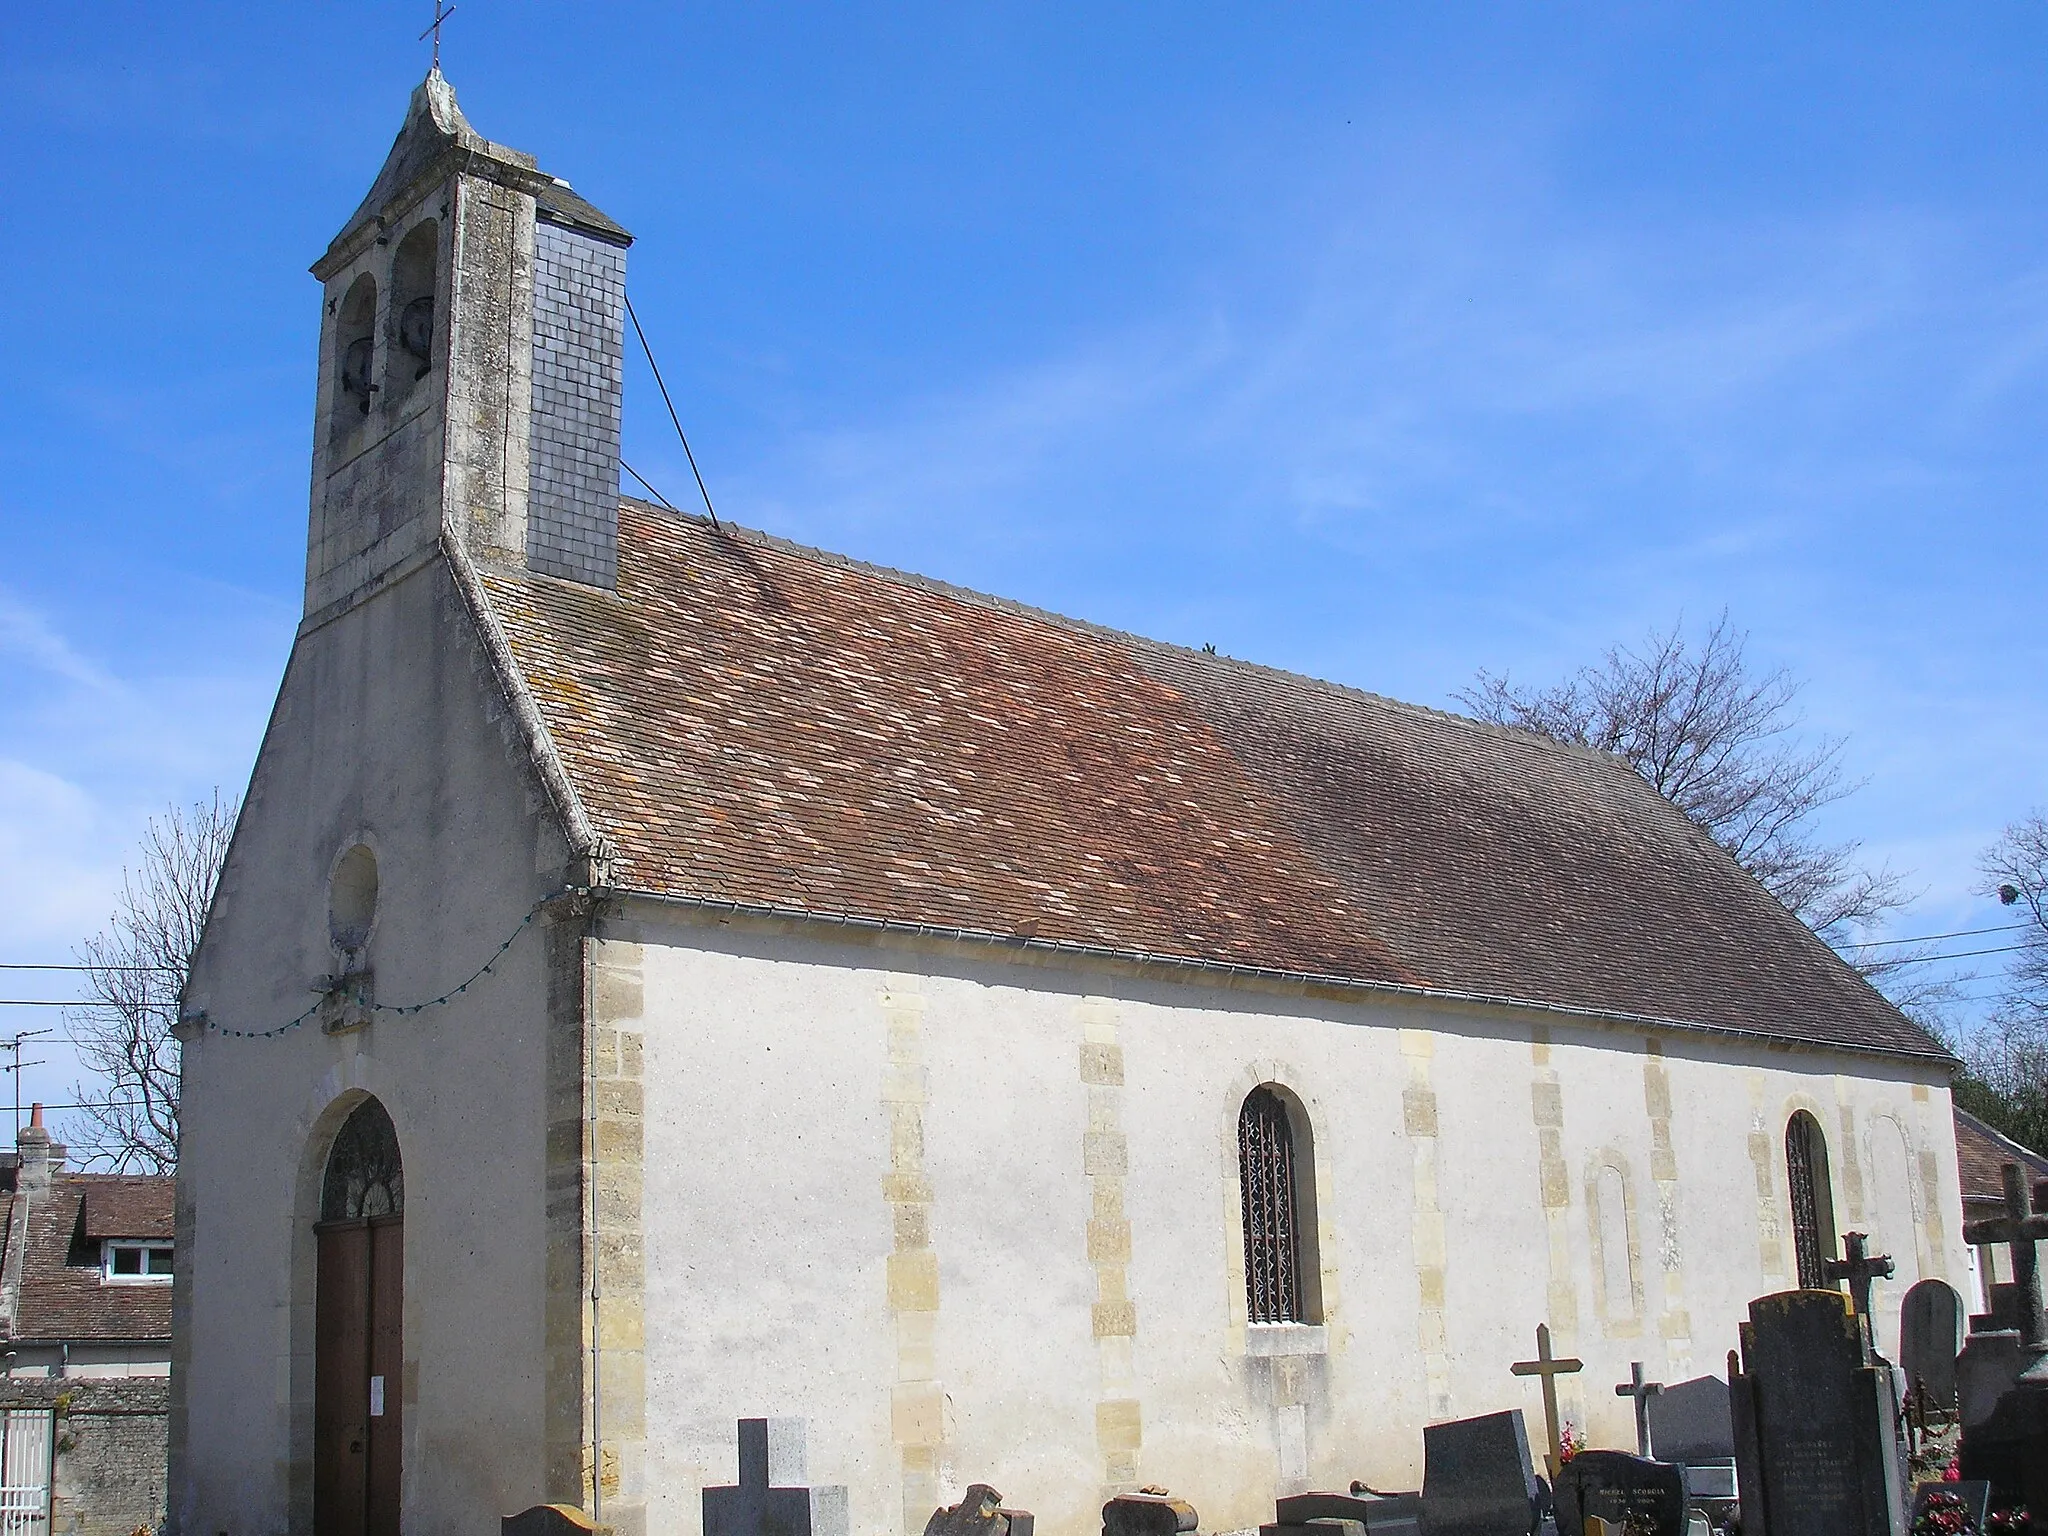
[{"x": 1384, "y": 343}]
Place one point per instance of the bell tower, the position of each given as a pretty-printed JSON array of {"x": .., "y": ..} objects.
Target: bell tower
[{"x": 471, "y": 366}]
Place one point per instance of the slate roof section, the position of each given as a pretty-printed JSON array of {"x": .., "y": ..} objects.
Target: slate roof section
[
  {"x": 63, "y": 1298},
  {"x": 1981, "y": 1155},
  {"x": 751, "y": 721}
]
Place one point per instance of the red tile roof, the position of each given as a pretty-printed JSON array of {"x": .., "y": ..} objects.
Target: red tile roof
[
  {"x": 63, "y": 1298},
  {"x": 751, "y": 721},
  {"x": 1981, "y": 1155}
]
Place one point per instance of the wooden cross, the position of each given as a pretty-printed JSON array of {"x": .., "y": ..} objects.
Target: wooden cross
[
  {"x": 1859, "y": 1268},
  {"x": 440, "y": 16},
  {"x": 1642, "y": 1391},
  {"x": 2021, "y": 1227},
  {"x": 1549, "y": 1368}
]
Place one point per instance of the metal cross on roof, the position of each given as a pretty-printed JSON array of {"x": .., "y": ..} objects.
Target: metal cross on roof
[
  {"x": 1549, "y": 1368},
  {"x": 1642, "y": 1391},
  {"x": 440, "y": 16}
]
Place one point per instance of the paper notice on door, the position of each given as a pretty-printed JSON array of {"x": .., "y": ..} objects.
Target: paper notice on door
[{"x": 376, "y": 1397}]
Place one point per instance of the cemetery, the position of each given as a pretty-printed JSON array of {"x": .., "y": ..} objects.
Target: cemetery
[{"x": 1813, "y": 1432}]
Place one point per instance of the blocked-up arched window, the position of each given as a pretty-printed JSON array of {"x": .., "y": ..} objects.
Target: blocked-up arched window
[
  {"x": 1813, "y": 1198},
  {"x": 1272, "y": 1176}
]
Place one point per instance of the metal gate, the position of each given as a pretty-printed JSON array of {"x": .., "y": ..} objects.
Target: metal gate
[{"x": 27, "y": 1438}]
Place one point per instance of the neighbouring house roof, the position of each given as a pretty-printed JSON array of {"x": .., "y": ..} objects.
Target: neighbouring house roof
[
  {"x": 1981, "y": 1154},
  {"x": 753, "y": 722},
  {"x": 63, "y": 1298}
]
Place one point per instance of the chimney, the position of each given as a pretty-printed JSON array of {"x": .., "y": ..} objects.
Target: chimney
[{"x": 40, "y": 1156}]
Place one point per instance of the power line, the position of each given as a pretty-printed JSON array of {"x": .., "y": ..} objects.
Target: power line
[
  {"x": 673, "y": 417},
  {"x": 1961, "y": 954},
  {"x": 1929, "y": 938},
  {"x": 139, "y": 970}
]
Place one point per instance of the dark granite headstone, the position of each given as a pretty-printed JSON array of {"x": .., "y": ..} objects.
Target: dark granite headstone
[
  {"x": 1148, "y": 1514},
  {"x": 1816, "y": 1425},
  {"x": 1990, "y": 1362},
  {"x": 1689, "y": 1421},
  {"x": 1477, "y": 1479},
  {"x": 1972, "y": 1499},
  {"x": 1930, "y": 1337},
  {"x": 770, "y": 1499},
  {"x": 551, "y": 1520},
  {"x": 1316, "y": 1514},
  {"x": 980, "y": 1512},
  {"x": 1618, "y": 1488}
]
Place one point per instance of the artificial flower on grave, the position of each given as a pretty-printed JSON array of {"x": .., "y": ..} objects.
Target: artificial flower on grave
[{"x": 1944, "y": 1514}]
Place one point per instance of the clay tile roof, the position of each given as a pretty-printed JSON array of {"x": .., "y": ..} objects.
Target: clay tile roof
[
  {"x": 129, "y": 1206},
  {"x": 1981, "y": 1154},
  {"x": 63, "y": 1297},
  {"x": 751, "y": 721}
]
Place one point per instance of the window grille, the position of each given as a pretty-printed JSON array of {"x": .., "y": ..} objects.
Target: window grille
[
  {"x": 1272, "y": 1240},
  {"x": 364, "y": 1174},
  {"x": 1806, "y": 1173}
]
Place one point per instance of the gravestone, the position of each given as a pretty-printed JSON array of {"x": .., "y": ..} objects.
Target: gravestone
[
  {"x": 1618, "y": 1488},
  {"x": 1971, "y": 1500},
  {"x": 1930, "y": 1337},
  {"x": 770, "y": 1498},
  {"x": 1689, "y": 1421},
  {"x": 551, "y": 1520},
  {"x": 1690, "y": 1424},
  {"x": 1477, "y": 1479},
  {"x": 1321, "y": 1514},
  {"x": 1148, "y": 1514},
  {"x": 2008, "y": 1447},
  {"x": 1816, "y": 1427},
  {"x": 980, "y": 1512}
]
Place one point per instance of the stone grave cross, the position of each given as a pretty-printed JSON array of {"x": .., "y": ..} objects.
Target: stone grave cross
[
  {"x": 1549, "y": 1367},
  {"x": 2020, "y": 1227},
  {"x": 770, "y": 1498},
  {"x": 1859, "y": 1267},
  {"x": 1642, "y": 1391}
]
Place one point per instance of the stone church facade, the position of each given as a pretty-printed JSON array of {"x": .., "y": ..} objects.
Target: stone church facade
[{"x": 665, "y": 975}]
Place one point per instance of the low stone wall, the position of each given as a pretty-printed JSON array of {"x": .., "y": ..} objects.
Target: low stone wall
[{"x": 112, "y": 1446}]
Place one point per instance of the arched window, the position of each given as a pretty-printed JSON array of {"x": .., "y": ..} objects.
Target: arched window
[
  {"x": 355, "y": 355},
  {"x": 1813, "y": 1199},
  {"x": 1278, "y": 1187},
  {"x": 411, "y": 350},
  {"x": 364, "y": 1175}
]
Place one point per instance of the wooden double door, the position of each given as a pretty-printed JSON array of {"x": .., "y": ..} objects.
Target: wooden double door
[{"x": 357, "y": 1364}]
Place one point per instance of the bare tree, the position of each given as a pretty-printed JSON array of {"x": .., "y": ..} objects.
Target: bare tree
[
  {"x": 2016, "y": 870},
  {"x": 1721, "y": 741},
  {"x": 136, "y": 968},
  {"x": 2005, "y": 1080}
]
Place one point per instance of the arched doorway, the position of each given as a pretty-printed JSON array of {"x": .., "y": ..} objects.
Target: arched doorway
[
  {"x": 358, "y": 1348},
  {"x": 1813, "y": 1199}
]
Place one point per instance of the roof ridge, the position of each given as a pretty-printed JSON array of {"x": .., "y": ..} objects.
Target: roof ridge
[
  {"x": 1984, "y": 1127},
  {"x": 1515, "y": 735}
]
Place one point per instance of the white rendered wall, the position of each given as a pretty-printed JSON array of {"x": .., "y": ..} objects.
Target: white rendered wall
[
  {"x": 411, "y": 756},
  {"x": 769, "y": 1084}
]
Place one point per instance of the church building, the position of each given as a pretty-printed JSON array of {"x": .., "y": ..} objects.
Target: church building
[{"x": 665, "y": 975}]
